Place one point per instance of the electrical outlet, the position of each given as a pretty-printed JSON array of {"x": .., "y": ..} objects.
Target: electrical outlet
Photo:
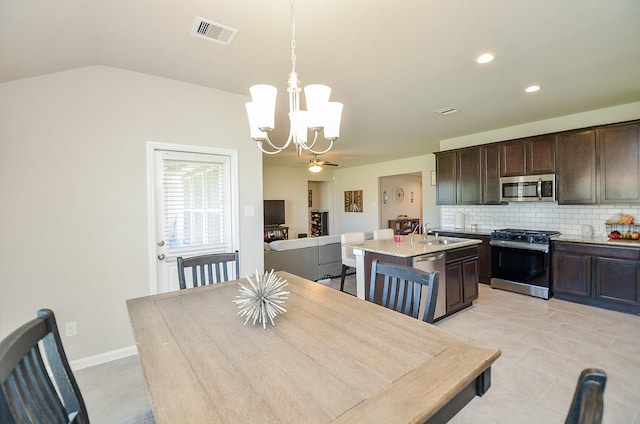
[{"x": 71, "y": 329}]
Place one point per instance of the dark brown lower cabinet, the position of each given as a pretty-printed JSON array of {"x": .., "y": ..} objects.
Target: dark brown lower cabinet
[
  {"x": 617, "y": 280},
  {"x": 572, "y": 274},
  {"x": 604, "y": 276},
  {"x": 484, "y": 252},
  {"x": 461, "y": 278}
]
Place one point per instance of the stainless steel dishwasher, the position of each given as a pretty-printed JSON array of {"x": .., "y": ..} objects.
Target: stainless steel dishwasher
[{"x": 434, "y": 262}]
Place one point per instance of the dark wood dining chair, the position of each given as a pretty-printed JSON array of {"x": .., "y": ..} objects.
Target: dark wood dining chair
[
  {"x": 588, "y": 399},
  {"x": 31, "y": 394},
  {"x": 28, "y": 392},
  {"x": 402, "y": 289},
  {"x": 202, "y": 268}
]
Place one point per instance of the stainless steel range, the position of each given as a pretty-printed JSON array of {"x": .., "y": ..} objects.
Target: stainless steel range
[{"x": 521, "y": 261}]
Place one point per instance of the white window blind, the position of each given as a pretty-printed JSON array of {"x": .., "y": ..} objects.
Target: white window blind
[{"x": 196, "y": 192}]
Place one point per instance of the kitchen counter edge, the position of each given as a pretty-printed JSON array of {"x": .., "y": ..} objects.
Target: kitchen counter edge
[
  {"x": 406, "y": 249},
  {"x": 602, "y": 240}
]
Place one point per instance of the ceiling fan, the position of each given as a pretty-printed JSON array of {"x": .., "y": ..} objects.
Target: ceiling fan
[{"x": 316, "y": 165}]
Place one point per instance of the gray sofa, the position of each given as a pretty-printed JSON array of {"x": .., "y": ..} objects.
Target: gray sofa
[{"x": 313, "y": 258}]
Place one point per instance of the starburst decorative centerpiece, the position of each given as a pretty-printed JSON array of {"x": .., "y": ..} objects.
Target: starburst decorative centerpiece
[{"x": 262, "y": 299}]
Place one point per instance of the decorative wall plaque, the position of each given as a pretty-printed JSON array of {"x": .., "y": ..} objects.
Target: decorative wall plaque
[{"x": 398, "y": 194}]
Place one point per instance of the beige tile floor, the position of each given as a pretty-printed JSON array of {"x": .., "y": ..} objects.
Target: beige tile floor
[{"x": 545, "y": 345}]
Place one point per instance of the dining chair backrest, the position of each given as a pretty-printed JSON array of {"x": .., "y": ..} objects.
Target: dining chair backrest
[
  {"x": 383, "y": 234},
  {"x": 202, "y": 269},
  {"x": 348, "y": 258},
  {"x": 587, "y": 404},
  {"x": 402, "y": 289},
  {"x": 29, "y": 394}
]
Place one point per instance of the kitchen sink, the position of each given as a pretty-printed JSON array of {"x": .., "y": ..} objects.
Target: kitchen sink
[{"x": 439, "y": 241}]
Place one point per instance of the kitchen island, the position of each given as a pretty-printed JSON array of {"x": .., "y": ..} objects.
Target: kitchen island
[
  {"x": 484, "y": 249},
  {"x": 456, "y": 259}
]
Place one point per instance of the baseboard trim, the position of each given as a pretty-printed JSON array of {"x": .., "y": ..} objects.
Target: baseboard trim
[{"x": 101, "y": 358}]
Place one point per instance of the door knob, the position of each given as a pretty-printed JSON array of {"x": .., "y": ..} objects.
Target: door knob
[
  {"x": 161, "y": 256},
  {"x": 161, "y": 243}
]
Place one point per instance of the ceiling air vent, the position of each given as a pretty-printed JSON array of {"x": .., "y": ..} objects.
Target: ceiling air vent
[
  {"x": 446, "y": 111},
  {"x": 212, "y": 31}
]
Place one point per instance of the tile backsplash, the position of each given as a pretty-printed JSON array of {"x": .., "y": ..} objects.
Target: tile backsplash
[{"x": 540, "y": 216}]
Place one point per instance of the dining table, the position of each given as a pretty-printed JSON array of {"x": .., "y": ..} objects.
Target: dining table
[{"x": 330, "y": 358}]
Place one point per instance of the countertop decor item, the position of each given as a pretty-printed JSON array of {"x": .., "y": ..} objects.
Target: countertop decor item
[{"x": 263, "y": 298}]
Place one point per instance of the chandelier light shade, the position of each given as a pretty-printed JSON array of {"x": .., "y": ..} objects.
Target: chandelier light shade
[{"x": 321, "y": 114}]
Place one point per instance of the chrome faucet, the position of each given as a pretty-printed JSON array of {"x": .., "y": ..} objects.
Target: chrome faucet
[
  {"x": 414, "y": 232},
  {"x": 425, "y": 230}
]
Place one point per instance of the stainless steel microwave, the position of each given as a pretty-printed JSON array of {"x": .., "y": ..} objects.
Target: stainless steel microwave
[{"x": 528, "y": 188}]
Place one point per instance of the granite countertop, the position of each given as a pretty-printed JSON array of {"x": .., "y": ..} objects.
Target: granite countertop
[
  {"x": 601, "y": 240},
  {"x": 406, "y": 248}
]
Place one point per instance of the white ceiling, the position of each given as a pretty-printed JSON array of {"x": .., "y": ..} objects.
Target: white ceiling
[{"x": 391, "y": 63}]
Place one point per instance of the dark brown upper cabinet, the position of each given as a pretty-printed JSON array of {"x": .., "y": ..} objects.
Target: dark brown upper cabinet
[
  {"x": 529, "y": 156},
  {"x": 598, "y": 165},
  {"x": 512, "y": 162},
  {"x": 619, "y": 148},
  {"x": 490, "y": 174},
  {"x": 469, "y": 176},
  {"x": 541, "y": 154},
  {"x": 446, "y": 176},
  {"x": 458, "y": 177},
  {"x": 576, "y": 155}
]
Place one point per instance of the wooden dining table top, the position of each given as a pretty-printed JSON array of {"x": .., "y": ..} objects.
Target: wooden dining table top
[{"x": 330, "y": 358}]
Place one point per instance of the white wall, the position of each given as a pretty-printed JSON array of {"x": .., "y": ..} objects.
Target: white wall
[
  {"x": 291, "y": 184},
  {"x": 410, "y": 183},
  {"x": 73, "y": 184},
  {"x": 365, "y": 178}
]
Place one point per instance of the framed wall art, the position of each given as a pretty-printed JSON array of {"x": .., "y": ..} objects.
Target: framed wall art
[{"x": 353, "y": 201}]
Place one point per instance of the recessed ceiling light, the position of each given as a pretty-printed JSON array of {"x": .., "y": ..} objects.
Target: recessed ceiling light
[
  {"x": 485, "y": 58},
  {"x": 532, "y": 88}
]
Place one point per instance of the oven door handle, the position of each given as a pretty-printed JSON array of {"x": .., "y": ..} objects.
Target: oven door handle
[{"x": 520, "y": 245}]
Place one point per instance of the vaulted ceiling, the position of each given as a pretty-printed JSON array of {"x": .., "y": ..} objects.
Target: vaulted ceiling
[{"x": 392, "y": 64}]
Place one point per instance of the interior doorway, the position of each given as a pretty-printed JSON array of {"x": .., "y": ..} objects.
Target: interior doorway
[
  {"x": 320, "y": 208},
  {"x": 400, "y": 195}
]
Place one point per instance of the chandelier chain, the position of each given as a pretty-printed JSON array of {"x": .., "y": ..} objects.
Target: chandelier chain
[{"x": 293, "y": 35}]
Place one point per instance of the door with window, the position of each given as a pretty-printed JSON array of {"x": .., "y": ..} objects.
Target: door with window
[{"x": 193, "y": 207}]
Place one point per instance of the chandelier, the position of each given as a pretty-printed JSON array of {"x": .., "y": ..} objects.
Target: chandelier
[{"x": 321, "y": 114}]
